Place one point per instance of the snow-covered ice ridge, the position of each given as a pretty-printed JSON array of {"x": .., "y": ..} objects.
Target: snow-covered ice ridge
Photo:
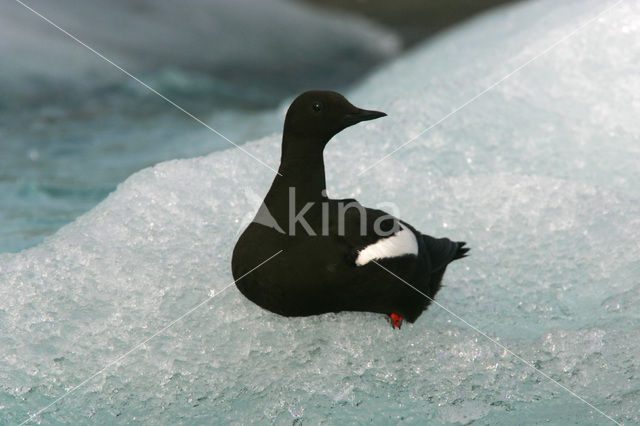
[{"x": 540, "y": 176}]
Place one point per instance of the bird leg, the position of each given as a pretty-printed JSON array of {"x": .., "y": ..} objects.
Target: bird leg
[{"x": 396, "y": 320}]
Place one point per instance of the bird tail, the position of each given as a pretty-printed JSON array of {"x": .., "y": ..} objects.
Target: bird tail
[
  {"x": 461, "y": 251},
  {"x": 442, "y": 251}
]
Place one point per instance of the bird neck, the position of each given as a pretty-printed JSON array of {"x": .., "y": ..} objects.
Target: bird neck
[
  {"x": 302, "y": 167},
  {"x": 300, "y": 180}
]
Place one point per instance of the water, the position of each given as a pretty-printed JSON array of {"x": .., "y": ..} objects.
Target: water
[
  {"x": 537, "y": 175},
  {"x": 73, "y": 126}
]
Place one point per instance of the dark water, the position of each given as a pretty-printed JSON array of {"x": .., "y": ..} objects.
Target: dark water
[{"x": 73, "y": 126}]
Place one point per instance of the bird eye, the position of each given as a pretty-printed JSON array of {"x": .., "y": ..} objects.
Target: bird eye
[{"x": 317, "y": 106}]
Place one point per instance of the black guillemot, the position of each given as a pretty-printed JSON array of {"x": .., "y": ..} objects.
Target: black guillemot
[{"x": 333, "y": 255}]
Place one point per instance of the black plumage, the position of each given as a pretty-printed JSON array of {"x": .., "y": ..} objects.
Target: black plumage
[{"x": 316, "y": 271}]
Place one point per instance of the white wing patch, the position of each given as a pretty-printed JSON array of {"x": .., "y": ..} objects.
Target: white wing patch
[{"x": 401, "y": 243}]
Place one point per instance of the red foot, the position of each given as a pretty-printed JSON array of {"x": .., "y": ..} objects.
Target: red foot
[{"x": 396, "y": 320}]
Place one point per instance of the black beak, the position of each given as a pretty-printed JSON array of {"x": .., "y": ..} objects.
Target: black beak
[{"x": 363, "y": 115}]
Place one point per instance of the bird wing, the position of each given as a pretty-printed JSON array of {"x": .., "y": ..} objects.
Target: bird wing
[{"x": 360, "y": 226}]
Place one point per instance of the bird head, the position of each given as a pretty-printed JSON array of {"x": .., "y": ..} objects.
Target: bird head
[{"x": 316, "y": 116}]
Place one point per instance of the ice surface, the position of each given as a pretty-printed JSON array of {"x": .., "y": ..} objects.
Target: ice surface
[{"x": 539, "y": 176}]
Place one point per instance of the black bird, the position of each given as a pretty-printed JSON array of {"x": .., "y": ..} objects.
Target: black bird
[{"x": 333, "y": 255}]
